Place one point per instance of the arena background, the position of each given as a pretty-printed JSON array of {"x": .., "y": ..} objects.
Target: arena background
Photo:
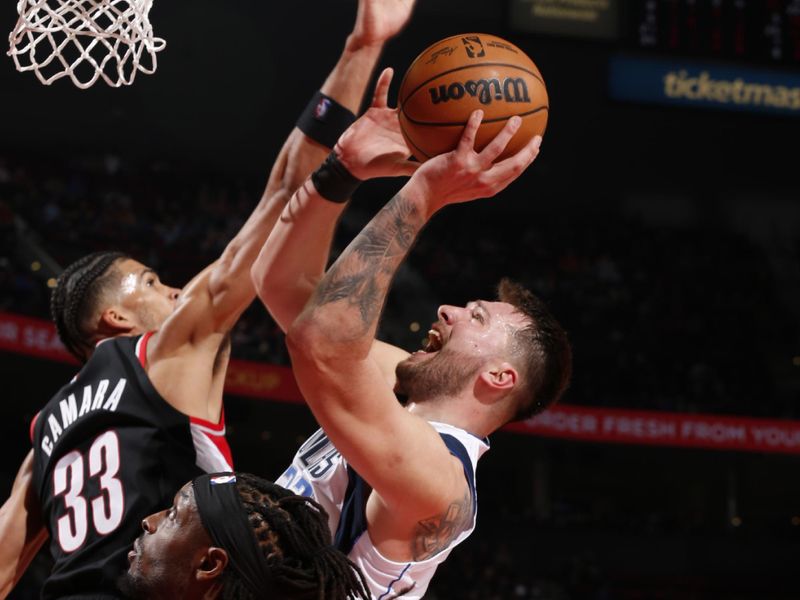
[{"x": 666, "y": 238}]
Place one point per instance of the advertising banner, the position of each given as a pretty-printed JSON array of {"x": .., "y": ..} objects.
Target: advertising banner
[
  {"x": 704, "y": 85},
  {"x": 37, "y": 337}
]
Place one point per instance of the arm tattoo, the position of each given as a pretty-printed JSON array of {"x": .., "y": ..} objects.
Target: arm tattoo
[
  {"x": 363, "y": 273},
  {"x": 433, "y": 535}
]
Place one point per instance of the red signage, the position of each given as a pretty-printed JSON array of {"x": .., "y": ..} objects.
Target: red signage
[
  {"x": 664, "y": 429},
  {"x": 261, "y": 380},
  {"x": 36, "y": 337}
]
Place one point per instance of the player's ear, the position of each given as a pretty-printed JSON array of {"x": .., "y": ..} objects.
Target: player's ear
[
  {"x": 211, "y": 565},
  {"x": 114, "y": 321},
  {"x": 499, "y": 377}
]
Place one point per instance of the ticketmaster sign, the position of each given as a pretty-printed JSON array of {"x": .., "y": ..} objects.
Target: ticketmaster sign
[{"x": 704, "y": 84}]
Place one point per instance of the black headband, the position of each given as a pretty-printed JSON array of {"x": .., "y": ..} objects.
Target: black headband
[{"x": 225, "y": 518}]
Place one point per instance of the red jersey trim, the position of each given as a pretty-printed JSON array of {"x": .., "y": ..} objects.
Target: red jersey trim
[
  {"x": 215, "y": 433},
  {"x": 212, "y": 428},
  {"x": 141, "y": 348},
  {"x": 33, "y": 424}
]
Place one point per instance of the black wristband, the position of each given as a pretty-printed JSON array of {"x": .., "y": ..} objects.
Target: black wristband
[
  {"x": 324, "y": 120},
  {"x": 333, "y": 181}
]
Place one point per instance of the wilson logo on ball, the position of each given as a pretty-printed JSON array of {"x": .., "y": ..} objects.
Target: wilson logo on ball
[
  {"x": 512, "y": 89},
  {"x": 453, "y": 77}
]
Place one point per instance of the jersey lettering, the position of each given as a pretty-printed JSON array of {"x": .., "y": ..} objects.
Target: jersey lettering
[
  {"x": 318, "y": 454},
  {"x": 129, "y": 452},
  {"x": 293, "y": 481},
  {"x": 107, "y": 508},
  {"x": 68, "y": 480}
]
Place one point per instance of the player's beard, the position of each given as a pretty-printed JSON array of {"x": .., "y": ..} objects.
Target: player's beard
[
  {"x": 446, "y": 374},
  {"x": 137, "y": 585},
  {"x": 137, "y": 582},
  {"x": 132, "y": 587}
]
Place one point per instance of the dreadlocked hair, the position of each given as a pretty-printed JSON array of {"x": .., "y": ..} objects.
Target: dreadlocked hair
[
  {"x": 75, "y": 297},
  {"x": 293, "y": 534}
]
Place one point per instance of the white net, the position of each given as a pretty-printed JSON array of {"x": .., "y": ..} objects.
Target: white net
[{"x": 85, "y": 40}]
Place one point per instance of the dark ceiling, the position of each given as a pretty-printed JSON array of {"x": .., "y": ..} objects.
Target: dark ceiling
[{"x": 235, "y": 75}]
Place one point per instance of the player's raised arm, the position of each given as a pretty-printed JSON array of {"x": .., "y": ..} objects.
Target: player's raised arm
[
  {"x": 213, "y": 301},
  {"x": 294, "y": 258},
  {"x": 330, "y": 341},
  {"x": 184, "y": 355},
  {"x": 22, "y": 532}
]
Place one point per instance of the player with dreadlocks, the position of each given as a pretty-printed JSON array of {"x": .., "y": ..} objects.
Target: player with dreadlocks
[
  {"x": 144, "y": 414},
  {"x": 235, "y": 536}
]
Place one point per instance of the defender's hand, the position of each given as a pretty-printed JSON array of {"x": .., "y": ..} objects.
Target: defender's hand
[
  {"x": 379, "y": 20},
  {"x": 373, "y": 146}
]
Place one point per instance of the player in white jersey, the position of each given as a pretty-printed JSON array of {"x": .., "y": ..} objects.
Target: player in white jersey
[
  {"x": 319, "y": 471},
  {"x": 399, "y": 481}
]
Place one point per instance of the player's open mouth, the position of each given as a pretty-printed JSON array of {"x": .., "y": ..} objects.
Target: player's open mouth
[
  {"x": 134, "y": 554},
  {"x": 433, "y": 343}
]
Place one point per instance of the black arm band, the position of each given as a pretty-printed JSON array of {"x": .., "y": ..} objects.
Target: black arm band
[
  {"x": 333, "y": 181},
  {"x": 324, "y": 120}
]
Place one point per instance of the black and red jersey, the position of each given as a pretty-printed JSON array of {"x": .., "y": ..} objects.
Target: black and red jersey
[{"x": 108, "y": 451}]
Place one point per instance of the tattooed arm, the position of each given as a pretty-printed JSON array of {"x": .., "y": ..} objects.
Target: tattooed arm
[
  {"x": 293, "y": 260},
  {"x": 331, "y": 339}
]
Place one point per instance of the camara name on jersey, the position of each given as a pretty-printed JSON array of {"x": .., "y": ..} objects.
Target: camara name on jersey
[{"x": 91, "y": 400}]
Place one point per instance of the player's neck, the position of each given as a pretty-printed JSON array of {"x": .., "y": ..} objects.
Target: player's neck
[{"x": 464, "y": 413}]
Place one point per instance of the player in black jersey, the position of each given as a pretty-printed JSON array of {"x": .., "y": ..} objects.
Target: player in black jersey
[
  {"x": 145, "y": 412},
  {"x": 235, "y": 535}
]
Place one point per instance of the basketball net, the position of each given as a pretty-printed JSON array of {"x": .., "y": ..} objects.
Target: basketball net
[{"x": 85, "y": 40}]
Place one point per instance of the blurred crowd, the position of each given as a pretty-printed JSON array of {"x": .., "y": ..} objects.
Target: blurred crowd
[
  {"x": 679, "y": 317},
  {"x": 669, "y": 317}
]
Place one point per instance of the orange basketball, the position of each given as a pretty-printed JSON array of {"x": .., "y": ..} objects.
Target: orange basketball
[{"x": 459, "y": 74}]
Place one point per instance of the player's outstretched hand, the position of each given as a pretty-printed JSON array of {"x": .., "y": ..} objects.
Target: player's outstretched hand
[
  {"x": 373, "y": 146},
  {"x": 465, "y": 174},
  {"x": 379, "y": 20}
]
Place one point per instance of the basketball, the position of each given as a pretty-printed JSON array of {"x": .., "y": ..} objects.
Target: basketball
[{"x": 460, "y": 74}]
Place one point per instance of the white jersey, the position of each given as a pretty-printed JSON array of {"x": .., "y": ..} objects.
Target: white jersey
[{"x": 320, "y": 472}]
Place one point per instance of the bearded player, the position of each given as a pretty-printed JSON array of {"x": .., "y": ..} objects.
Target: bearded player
[{"x": 399, "y": 481}]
